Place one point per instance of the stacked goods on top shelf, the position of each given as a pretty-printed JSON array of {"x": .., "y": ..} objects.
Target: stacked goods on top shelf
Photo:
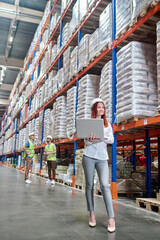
[
  {"x": 83, "y": 52},
  {"x": 158, "y": 62},
  {"x": 105, "y": 27},
  {"x": 75, "y": 18},
  {"x": 94, "y": 44},
  {"x": 123, "y": 14},
  {"x": 60, "y": 118},
  {"x": 66, "y": 64},
  {"x": 136, "y": 81},
  {"x": 88, "y": 90},
  {"x": 105, "y": 89},
  {"x": 74, "y": 62},
  {"x": 71, "y": 111},
  {"x": 64, "y": 4}
]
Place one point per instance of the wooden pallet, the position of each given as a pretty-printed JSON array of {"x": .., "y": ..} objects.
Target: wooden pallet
[
  {"x": 79, "y": 187},
  {"x": 133, "y": 119},
  {"x": 59, "y": 180},
  {"x": 151, "y": 204}
]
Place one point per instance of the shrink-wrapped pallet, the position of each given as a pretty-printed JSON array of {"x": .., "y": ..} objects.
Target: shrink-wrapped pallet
[
  {"x": 73, "y": 62},
  {"x": 65, "y": 35},
  {"x": 71, "y": 111},
  {"x": 75, "y": 18},
  {"x": 66, "y": 64},
  {"x": 83, "y": 52},
  {"x": 60, "y": 79},
  {"x": 158, "y": 62},
  {"x": 94, "y": 44},
  {"x": 47, "y": 120},
  {"x": 123, "y": 14},
  {"x": 88, "y": 90},
  {"x": 139, "y": 7},
  {"x": 105, "y": 27},
  {"x": 136, "y": 81},
  {"x": 60, "y": 118},
  {"x": 80, "y": 177},
  {"x": 105, "y": 89}
]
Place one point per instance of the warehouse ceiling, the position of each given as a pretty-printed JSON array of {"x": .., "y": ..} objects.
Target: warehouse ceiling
[{"x": 18, "y": 22}]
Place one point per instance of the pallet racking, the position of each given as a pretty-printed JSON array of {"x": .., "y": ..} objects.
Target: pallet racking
[{"x": 126, "y": 134}]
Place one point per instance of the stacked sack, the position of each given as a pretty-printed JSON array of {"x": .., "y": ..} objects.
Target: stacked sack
[
  {"x": 65, "y": 35},
  {"x": 94, "y": 44},
  {"x": 66, "y": 64},
  {"x": 80, "y": 178},
  {"x": 123, "y": 14},
  {"x": 88, "y": 90},
  {"x": 105, "y": 27},
  {"x": 74, "y": 62},
  {"x": 138, "y": 7},
  {"x": 60, "y": 118},
  {"x": 158, "y": 62},
  {"x": 60, "y": 78},
  {"x": 36, "y": 131},
  {"x": 105, "y": 89},
  {"x": 83, "y": 52},
  {"x": 136, "y": 81},
  {"x": 47, "y": 125},
  {"x": 71, "y": 111}
]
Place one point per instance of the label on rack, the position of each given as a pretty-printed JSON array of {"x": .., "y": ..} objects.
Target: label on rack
[
  {"x": 122, "y": 127},
  {"x": 145, "y": 122}
]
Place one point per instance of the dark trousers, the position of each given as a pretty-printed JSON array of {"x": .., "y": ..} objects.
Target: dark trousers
[{"x": 51, "y": 167}]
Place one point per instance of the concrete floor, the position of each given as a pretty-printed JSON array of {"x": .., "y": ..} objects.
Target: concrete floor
[{"x": 41, "y": 212}]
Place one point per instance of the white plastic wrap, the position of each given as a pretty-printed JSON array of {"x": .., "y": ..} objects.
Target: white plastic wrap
[
  {"x": 66, "y": 64},
  {"x": 83, "y": 52},
  {"x": 71, "y": 111},
  {"x": 136, "y": 81},
  {"x": 105, "y": 27},
  {"x": 138, "y": 7},
  {"x": 123, "y": 14},
  {"x": 88, "y": 90},
  {"x": 105, "y": 89},
  {"x": 94, "y": 44},
  {"x": 60, "y": 78},
  {"x": 73, "y": 62},
  {"x": 60, "y": 118}
]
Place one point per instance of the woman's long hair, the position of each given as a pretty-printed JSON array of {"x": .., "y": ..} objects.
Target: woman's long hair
[{"x": 94, "y": 113}]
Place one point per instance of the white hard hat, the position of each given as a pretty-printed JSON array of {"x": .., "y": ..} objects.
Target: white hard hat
[
  {"x": 95, "y": 100},
  {"x": 49, "y": 137},
  {"x": 31, "y": 134}
]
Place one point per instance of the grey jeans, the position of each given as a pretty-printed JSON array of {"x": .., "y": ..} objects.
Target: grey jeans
[{"x": 89, "y": 166}]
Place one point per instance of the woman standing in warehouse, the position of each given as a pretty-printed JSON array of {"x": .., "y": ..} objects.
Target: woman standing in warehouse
[{"x": 95, "y": 157}]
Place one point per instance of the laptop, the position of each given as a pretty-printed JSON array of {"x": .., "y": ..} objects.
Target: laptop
[{"x": 87, "y": 126}]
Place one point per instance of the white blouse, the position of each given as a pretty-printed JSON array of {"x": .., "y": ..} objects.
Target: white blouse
[{"x": 98, "y": 149}]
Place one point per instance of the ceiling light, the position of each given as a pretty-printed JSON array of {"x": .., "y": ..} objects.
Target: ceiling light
[{"x": 11, "y": 39}]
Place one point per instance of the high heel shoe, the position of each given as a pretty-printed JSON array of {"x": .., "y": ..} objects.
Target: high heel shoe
[
  {"x": 91, "y": 224},
  {"x": 111, "y": 222},
  {"x": 111, "y": 229}
]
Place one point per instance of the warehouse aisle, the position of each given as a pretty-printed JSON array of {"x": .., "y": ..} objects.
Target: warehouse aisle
[{"x": 41, "y": 212}]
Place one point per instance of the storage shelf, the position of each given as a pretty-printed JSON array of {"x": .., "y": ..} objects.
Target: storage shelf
[
  {"x": 88, "y": 15},
  {"x": 30, "y": 57}
]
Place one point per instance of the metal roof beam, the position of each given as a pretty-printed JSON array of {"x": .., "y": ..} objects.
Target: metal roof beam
[
  {"x": 4, "y": 102},
  {"x": 11, "y": 63},
  {"x": 20, "y": 13}
]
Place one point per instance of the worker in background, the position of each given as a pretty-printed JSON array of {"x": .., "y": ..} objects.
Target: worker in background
[
  {"x": 29, "y": 154},
  {"x": 50, "y": 152}
]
